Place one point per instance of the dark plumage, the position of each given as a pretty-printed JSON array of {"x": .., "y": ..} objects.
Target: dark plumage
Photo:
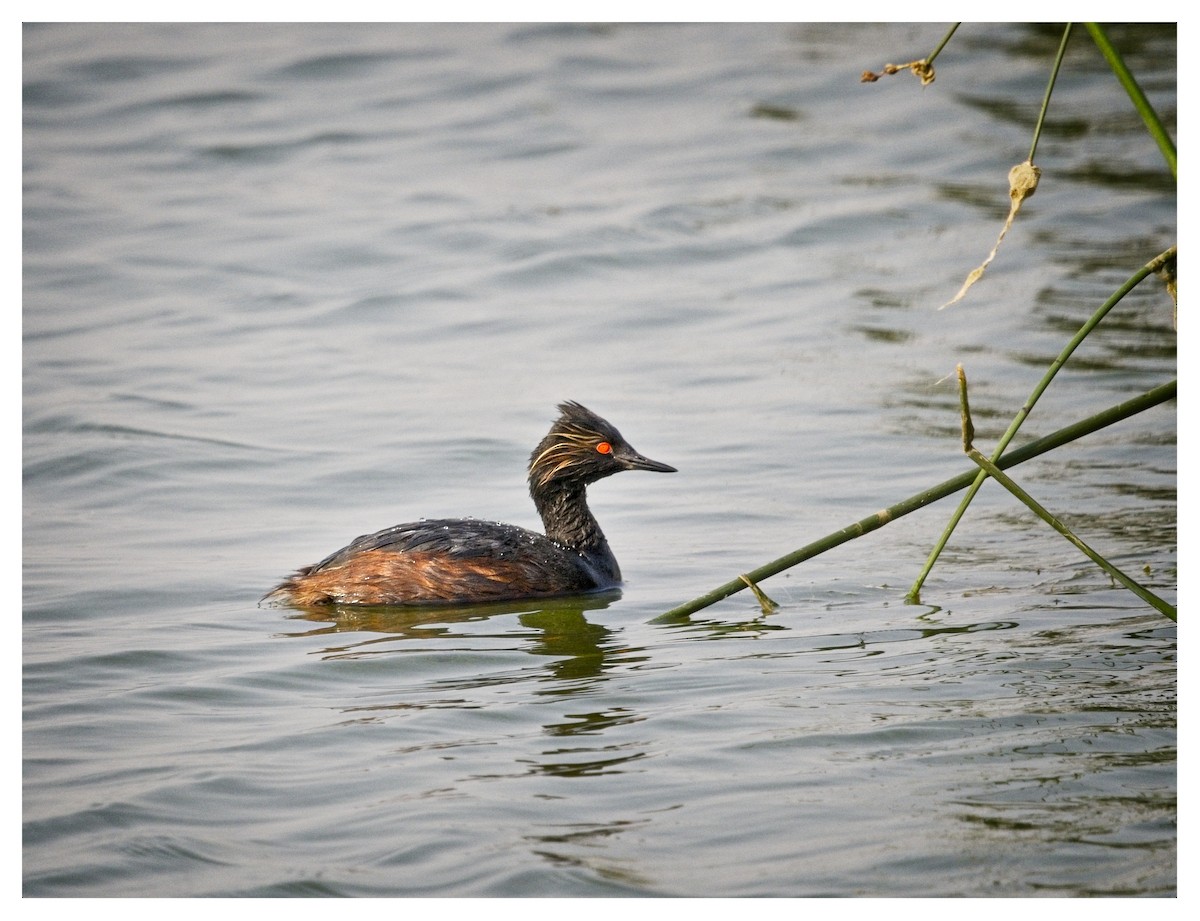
[{"x": 463, "y": 560}]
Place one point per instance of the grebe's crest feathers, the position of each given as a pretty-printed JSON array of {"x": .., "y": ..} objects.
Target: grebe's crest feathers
[{"x": 580, "y": 425}]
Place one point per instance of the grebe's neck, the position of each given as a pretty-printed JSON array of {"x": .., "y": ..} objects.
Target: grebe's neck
[{"x": 568, "y": 521}]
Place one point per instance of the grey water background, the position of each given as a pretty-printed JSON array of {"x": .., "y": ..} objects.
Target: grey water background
[{"x": 286, "y": 284}]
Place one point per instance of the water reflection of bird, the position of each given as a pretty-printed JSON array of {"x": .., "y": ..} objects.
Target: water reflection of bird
[{"x": 464, "y": 560}]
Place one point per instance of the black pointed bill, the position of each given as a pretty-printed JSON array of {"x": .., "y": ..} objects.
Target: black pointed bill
[{"x": 631, "y": 460}]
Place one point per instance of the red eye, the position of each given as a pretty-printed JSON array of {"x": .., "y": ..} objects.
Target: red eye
[{"x": 604, "y": 447}]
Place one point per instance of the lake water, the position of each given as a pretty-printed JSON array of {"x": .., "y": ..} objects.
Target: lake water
[{"x": 284, "y": 285}]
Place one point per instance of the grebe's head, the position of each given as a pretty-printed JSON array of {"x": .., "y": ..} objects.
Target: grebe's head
[{"x": 582, "y": 448}]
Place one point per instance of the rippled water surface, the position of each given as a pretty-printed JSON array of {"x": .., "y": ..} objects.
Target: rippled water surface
[{"x": 284, "y": 285}]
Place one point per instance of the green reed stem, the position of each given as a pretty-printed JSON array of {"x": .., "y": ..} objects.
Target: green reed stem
[
  {"x": 945, "y": 40},
  {"x": 968, "y": 437},
  {"x": 1062, "y": 50},
  {"x": 1007, "y": 482},
  {"x": 1153, "y": 124},
  {"x": 1154, "y": 265},
  {"x": 1110, "y": 416}
]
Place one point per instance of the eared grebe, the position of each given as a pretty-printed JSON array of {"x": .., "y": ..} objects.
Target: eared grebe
[{"x": 464, "y": 561}]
